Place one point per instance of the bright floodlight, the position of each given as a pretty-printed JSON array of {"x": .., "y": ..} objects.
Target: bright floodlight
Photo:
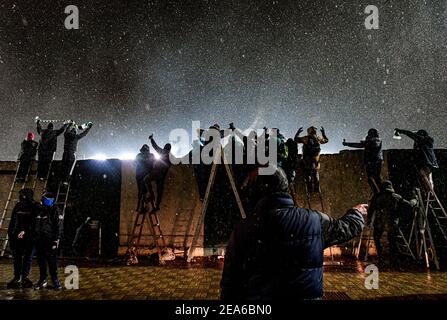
[
  {"x": 127, "y": 156},
  {"x": 99, "y": 157},
  {"x": 156, "y": 156}
]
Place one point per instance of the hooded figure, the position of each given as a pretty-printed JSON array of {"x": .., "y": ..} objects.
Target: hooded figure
[
  {"x": 21, "y": 237},
  {"x": 277, "y": 252},
  {"x": 384, "y": 213},
  {"x": 26, "y": 157},
  {"x": 311, "y": 156},
  {"x": 71, "y": 138},
  {"x": 372, "y": 157},
  {"x": 425, "y": 160},
  {"x": 47, "y": 147},
  {"x": 160, "y": 170},
  {"x": 48, "y": 233},
  {"x": 144, "y": 166}
]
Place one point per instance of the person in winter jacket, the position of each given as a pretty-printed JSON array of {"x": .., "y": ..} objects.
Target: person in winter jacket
[
  {"x": 71, "y": 138},
  {"x": 426, "y": 159},
  {"x": 144, "y": 167},
  {"x": 47, "y": 147},
  {"x": 21, "y": 238},
  {"x": 372, "y": 157},
  {"x": 384, "y": 212},
  {"x": 161, "y": 167},
  {"x": 291, "y": 162},
  {"x": 26, "y": 157},
  {"x": 277, "y": 252},
  {"x": 311, "y": 156},
  {"x": 48, "y": 233}
]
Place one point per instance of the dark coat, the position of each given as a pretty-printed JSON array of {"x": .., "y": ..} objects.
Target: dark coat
[
  {"x": 71, "y": 138},
  {"x": 48, "y": 139},
  {"x": 144, "y": 164},
  {"x": 278, "y": 252},
  {"x": 373, "y": 149},
  {"x": 28, "y": 150},
  {"x": 161, "y": 166},
  {"x": 49, "y": 224},
  {"x": 23, "y": 218},
  {"x": 425, "y": 156}
]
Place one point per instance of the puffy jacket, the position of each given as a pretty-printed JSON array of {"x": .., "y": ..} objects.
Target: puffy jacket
[
  {"x": 71, "y": 138},
  {"x": 28, "y": 150},
  {"x": 278, "y": 252},
  {"x": 373, "y": 149},
  {"x": 49, "y": 224},
  {"x": 48, "y": 138},
  {"x": 23, "y": 218},
  {"x": 145, "y": 164},
  {"x": 424, "y": 146}
]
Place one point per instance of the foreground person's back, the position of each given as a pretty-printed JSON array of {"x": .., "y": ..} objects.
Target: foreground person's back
[{"x": 278, "y": 252}]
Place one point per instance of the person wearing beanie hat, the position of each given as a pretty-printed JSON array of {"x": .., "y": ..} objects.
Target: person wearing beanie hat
[
  {"x": 311, "y": 156},
  {"x": 71, "y": 138},
  {"x": 372, "y": 157},
  {"x": 26, "y": 157},
  {"x": 47, "y": 147},
  {"x": 144, "y": 165}
]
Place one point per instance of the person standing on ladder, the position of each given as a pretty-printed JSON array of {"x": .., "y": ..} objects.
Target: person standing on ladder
[
  {"x": 311, "y": 156},
  {"x": 47, "y": 147},
  {"x": 71, "y": 138},
  {"x": 383, "y": 213},
  {"x": 425, "y": 155},
  {"x": 26, "y": 157},
  {"x": 160, "y": 171},
  {"x": 372, "y": 157},
  {"x": 21, "y": 238},
  {"x": 144, "y": 167}
]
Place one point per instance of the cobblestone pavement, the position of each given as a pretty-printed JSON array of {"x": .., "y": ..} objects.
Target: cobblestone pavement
[{"x": 180, "y": 282}]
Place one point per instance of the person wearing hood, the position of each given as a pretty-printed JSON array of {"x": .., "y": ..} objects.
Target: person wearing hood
[
  {"x": 372, "y": 157},
  {"x": 311, "y": 156},
  {"x": 21, "y": 238},
  {"x": 144, "y": 166},
  {"x": 48, "y": 233},
  {"x": 384, "y": 212},
  {"x": 47, "y": 147},
  {"x": 26, "y": 157},
  {"x": 426, "y": 159},
  {"x": 160, "y": 170},
  {"x": 71, "y": 138},
  {"x": 276, "y": 253}
]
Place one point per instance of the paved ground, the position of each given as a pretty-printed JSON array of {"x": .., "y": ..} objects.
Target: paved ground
[{"x": 178, "y": 281}]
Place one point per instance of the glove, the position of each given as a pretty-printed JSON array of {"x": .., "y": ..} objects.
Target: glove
[
  {"x": 37, "y": 119},
  {"x": 89, "y": 124},
  {"x": 344, "y": 142},
  {"x": 151, "y": 136},
  {"x": 322, "y": 129},
  {"x": 397, "y": 130},
  {"x": 300, "y": 130},
  {"x": 232, "y": 127}
]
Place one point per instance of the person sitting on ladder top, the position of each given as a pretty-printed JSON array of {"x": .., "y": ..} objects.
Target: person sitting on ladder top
[{"x": 311, "y": 156}]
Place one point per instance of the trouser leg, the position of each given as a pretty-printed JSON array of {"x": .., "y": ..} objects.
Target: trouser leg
[
  {"x": 24, "y": 168},
  {"x": 52, "y": 263},
  {"x": 377, "y": 234},
  {"x": 315, "y": 180},
  {"x": 43, "y": 165},
  {"x": 17, "y": 253},
  {"x": 27, "y": 260},
  {"x": 42, "y": 260},
  {"x": 427, "y": 178},
  {"x": 67, "y": 164}
]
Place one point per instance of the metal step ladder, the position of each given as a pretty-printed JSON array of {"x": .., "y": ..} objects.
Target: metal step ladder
[
  {"x": 13, "y": 198},
  {"x": 146, "y": 215},
  {"x": 206, "y": 199}
]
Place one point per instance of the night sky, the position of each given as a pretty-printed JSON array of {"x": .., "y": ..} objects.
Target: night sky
[{"x": 137, "y": 67}]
